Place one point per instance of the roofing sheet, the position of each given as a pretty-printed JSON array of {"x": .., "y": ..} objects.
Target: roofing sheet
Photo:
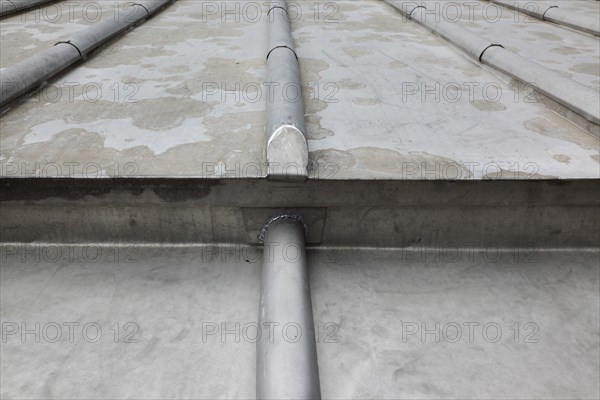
[{"x": 183, "y": 95}]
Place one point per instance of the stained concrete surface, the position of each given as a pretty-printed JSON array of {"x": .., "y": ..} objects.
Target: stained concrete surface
[
  {"x": 156, "y": 117},
  {"x": 379, "y": 299},
  {"x": 397, "y": 105},
  {"x": 366, "y": 304},
  {"x": 183, "y": 95},
  {"x": 152, "y": 103},
  {"x": 571, "y": 53},
  {"x": 25, "y": 34}
]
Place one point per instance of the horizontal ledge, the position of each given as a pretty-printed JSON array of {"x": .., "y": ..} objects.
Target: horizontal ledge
[{"x": 317, "y": 193}]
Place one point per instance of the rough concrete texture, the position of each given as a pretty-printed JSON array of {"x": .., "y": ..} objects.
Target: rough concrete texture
[
  {"x": 26, "y": 33},
  {"x": 397, "y": 108},
  {"x": 571, "y": 53},
  {"x": 367, "y": 305},
  {"x": 184, "y": 95},
  {"x": 152, "y": 103}
]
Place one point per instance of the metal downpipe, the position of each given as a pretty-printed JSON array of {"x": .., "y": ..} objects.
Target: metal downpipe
[
  {"x": 286, "y": 365},
  {"x": 19, "y": 79}
]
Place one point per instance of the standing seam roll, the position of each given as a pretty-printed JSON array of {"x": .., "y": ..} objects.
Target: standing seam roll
[
  {"x": 554, "y": 14},
  {"x": 287, "y": 148},
  {"x": 19, "y": 79},
  {"x": 571, "y": 94}
]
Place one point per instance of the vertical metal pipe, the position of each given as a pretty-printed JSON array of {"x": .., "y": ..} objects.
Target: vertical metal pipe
[{"x": 286, "y": 362}]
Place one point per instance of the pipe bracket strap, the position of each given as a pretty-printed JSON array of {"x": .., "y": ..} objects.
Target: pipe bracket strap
[
  {"x": 143, "y": 6},
  {"x": 282, "y": 217},
  {"x": 491, "y": 45},
  {"x": 280, "y": 7},
  {"x": 544, "y": 14},
  {"x": 283, "y": 47},
  {"x": 414, "y": 9},
  {"x": 69, "y": 42}
]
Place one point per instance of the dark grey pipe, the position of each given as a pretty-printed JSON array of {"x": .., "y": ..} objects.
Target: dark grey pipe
[
  {"x": 571, "y": 94},
  {"x": 553, "y": 13},
  {"x": 34, "y": 71},
  {"x": 287, "y": 149},
  {"x": 9, "y": 7},
  {"x": 286, "y": 362}
]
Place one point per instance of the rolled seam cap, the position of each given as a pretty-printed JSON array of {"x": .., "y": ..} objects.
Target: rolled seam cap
[
  {"x": 287, "y": 147},
  {"x": 286, "y": 129},
  {"x": 287, "y": 154}
]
